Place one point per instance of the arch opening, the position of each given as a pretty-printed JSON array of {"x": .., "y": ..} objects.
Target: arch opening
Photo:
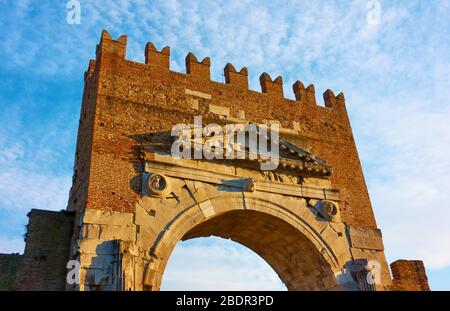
[
  {"x": 215, "y": 263},
  {"x": 294, "y": 258}
]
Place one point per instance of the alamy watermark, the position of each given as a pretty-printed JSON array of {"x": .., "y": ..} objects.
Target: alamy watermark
[
  {"x": 73, "y": 275},
  {"x": 373, "y": 272},
  {"x": 232, "y": 141},
  {"x": 362, "y": 273},
  {"x": 73, "y": 16},
  {"x": 373, "y": 12}
]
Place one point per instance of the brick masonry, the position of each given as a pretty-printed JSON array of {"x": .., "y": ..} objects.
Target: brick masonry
[
  {"x": 126, "y": 103},
  {"x": 8, "y": 268},
  {"x": 409, "y": 275},
  {"x": 43, "y": 266}
]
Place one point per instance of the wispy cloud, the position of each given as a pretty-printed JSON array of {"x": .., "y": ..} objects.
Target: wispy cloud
[
  {"x": 407, "y": 150},
  {"x": 394, "y": 76},
  {"x": 11, "y": 245},
  {"x": 219, "y": 264}
]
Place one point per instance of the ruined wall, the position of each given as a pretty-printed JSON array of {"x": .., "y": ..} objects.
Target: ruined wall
[
  {"x": 128, "y": 104},
  {"x": 409, "y": 275},
  {"x": 43, "y": 266},
  {"x": 8, "y": 269}
]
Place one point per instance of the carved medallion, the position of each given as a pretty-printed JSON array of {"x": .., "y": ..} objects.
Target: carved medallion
[
  {"x": 328, "y": 210},
  {"x": 158, "y": 185}
]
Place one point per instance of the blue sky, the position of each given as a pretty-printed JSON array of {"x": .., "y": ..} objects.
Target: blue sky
[{"x": 395, "y": 76}]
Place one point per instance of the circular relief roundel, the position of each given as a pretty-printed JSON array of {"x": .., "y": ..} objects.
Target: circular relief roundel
[
  {"x": 329, "y": 209},
  {"x": 158, "y": 184}
]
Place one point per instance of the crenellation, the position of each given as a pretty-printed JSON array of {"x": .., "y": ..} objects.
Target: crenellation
[
  {"x": 160, "y": 61},
  {"x": 271, "y": 87},
  {"x": 329, "y": 98},
  {"x": 196, "y": 69},
  {"x": 310, "y": 95},
  {"x": 299, "y": 91},
  {"x": 333, "y": 101},
  {"x": 238, "y": 79},
  {"x": 110, "y": 46},
  {"x": 340, "y": 99},
  {"x": 307, "y": 96},
  {"x": 155, "y": 58}
]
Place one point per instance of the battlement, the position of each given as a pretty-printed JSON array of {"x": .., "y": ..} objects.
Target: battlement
[
  {"x": 238, "y": 79},
  {"x": 273, "y": 88},
  {"x": 108, "y": 45},
  {"x": 201, "y": 70},
  {"x": 158, "y": 59}
]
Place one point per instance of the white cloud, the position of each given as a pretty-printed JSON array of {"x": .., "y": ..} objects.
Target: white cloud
[
  {"x": 408, "y": 178},
  {"x": 12, "y": 153},
  {"x": 24, "y": 185},
  {"x": 24, "y": 190},
  {"x": 11, "y": 245},
  {"x": 218, "y": 264}
]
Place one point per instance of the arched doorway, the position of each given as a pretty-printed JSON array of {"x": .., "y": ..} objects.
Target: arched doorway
[{"x": 274, "y": 236}]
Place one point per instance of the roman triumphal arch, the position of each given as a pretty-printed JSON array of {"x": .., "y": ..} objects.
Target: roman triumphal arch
[
  {"x": 309, "y": 216},
  {"x": 164, "y": 156}
]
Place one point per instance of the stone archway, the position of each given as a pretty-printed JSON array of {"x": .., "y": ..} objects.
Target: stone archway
[
  {"x": 302, "y": 258},
  {"x": 284, "y": 222}
]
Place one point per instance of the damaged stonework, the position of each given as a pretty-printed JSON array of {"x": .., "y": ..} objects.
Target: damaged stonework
[
  {"x": 100, "y": 248},
  {"x": 367, "y": 243},
  {"x": 129, "y": 251}
]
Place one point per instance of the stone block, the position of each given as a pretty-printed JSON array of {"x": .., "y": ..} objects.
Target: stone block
[
  {"x": 170, "y": 203},
  {"x": 201, "y": 195},
  {"x": 366, "y": 238},
  {"x": 147, "y": 236},
  {"x": 185, "y": 198},
  {"x": 207, "y": 208},
  {"x": 98, "y": 261},
  {"x": 198, "y": 94},
  {"x": 97, "y": 247},
  {"x": 194, "y": 104},
  {"x": 142, "y": 216},
  {"x": 92, "y": 216},
  {"x": 98, "y": 277},
  {"x": 219, "y": 110},
  {"x": 124, "y": 233},
  {"x": 90, "y": 231}
]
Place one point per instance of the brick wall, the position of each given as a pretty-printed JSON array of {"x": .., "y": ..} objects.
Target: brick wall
[
  {"x": 43, "y": 266},
  {"x": 128, "y": 104},
  {"x": 409, "y": 275},
  {"x": 8, "y": 269}
]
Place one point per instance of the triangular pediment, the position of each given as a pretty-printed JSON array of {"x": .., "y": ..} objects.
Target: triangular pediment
[{"x": 290, "y": 157}]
